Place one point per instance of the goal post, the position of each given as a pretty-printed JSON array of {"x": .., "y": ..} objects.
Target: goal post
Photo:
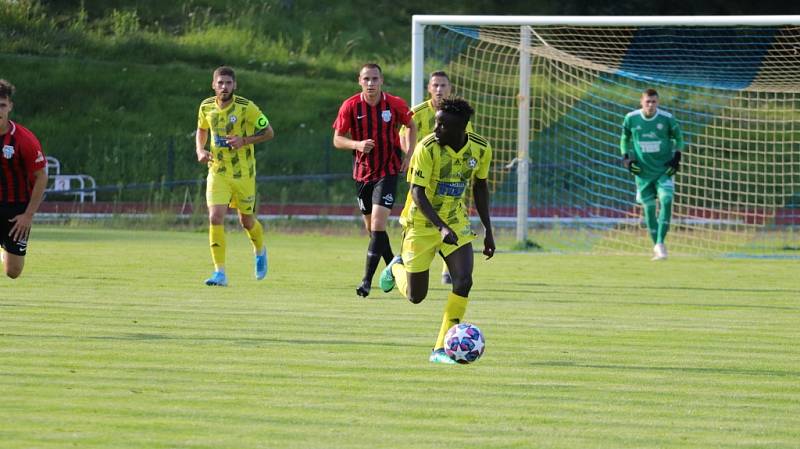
[{"x": 550, "y": 93}]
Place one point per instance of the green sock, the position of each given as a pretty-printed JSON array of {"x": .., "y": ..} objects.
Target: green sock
[
  {"x": 651, "y": 219},
  {"x": 664, "y": 217}
]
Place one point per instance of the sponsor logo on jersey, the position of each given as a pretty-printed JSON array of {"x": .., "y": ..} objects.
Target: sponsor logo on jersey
[
  {"x": 650, "y": 135},
  {"x": 450, "y": 188},
  {"x": 418, "y": 174},
  {"x": 386, "y": 116},
  {"x": 261, "y": 122},
  {"x": 221, "y": 142},
  {"x": 8, "y": 151}
]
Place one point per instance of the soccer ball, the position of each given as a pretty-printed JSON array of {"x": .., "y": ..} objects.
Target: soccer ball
[{"x": 464, "y": 343}]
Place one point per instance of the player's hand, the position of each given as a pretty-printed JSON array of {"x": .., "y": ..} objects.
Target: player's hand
[
  {"x": 203, "y": 156},
  {"x": 405, "y": 164},
  {"x": 235, "y": 142},
  {"x": 488, "y": 245},
  {"x": 674, "y": 164},
  {"x": 448, "y": 235},
  {"x": 22, "y": 227},
  {"x": 632, "y": 165},
  {"x": 365, "y": 146}
]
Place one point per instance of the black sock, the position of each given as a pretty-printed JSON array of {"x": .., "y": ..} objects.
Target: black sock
[
  {"x": 374, "y": 251},
  {"x": 386, "y": 246}
]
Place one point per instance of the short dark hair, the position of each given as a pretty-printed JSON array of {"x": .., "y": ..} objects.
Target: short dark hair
[
  {"x": 225, "y": 71},
  {"x": 650, "y": 92},
  {"x": 371, "y": 65},
  {"x": 439, "y": 73},
  {"x": 457, "y": 106},
  {"x": 6, "y": 89}
]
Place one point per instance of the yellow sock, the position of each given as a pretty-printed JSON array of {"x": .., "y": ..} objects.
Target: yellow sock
[
  {"x": 216, "y": 239},
  {"x": 453, "y": 314},
  {"x": 400, "y": 279},
  {"x": 256, "y": 234}
]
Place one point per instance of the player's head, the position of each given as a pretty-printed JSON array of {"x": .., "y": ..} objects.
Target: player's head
[
  {"x": 6, "y": 92},
  {"x": 451, "y": 121},
  {"x": 370, "y": 78},
  {"x": 439, "y": 87},
  {"x": 224, "y": 83},
  {"x": 649, "y": 101}
]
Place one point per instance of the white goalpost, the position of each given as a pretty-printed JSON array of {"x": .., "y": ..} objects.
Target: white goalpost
[{"x": 550, "y": 93}]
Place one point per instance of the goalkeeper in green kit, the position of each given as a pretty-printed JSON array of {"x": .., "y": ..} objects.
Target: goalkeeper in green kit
[{"x": 651, "y": 147}]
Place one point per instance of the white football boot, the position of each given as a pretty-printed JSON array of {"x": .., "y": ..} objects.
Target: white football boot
[{"x": 659, "y": 252}]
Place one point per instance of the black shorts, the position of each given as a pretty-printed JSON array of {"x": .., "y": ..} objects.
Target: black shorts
[
  {"x": 380, "y": 192},
  {"x": 7, "y": 212}
]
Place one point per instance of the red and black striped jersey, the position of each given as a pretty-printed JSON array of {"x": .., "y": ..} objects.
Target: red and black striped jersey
[
  {"x": 20, "y": 158},
  {"x": 380, "y": 123}
]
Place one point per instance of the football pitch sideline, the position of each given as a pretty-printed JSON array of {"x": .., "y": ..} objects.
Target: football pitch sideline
[{"x": 111, "y": 340}]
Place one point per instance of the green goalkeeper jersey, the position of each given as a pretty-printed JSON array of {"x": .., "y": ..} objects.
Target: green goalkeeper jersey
[{"x": 651, "y": 141}]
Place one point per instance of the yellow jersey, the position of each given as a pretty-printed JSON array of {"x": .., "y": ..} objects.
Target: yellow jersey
[
  {"x": 240, "y": 118},
  {"x": 446, "y": 175}
]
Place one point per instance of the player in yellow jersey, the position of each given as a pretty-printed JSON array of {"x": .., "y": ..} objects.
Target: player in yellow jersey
[
  {"x": 435, "y": 217},
  {"x": 439, "y": 87},
  {"x": 235, "y": 124}
]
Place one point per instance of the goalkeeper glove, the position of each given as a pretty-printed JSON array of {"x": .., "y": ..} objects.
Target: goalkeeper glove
[
  {"x": 674, "y": 164},
  {"x": 631, "y": 164}
]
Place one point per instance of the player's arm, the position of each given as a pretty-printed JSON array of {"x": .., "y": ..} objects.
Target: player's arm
[
  {"x": 677, "y": 137},
  {"x": 262, "y": 130},
  {"x": 262, "y": 135},
  {"x": 23, "y": 222},
  {"x": 625, "y": 145},
  {"x": 425, "y": 206},
  {"x": 344, "y": 142},
  {"x": 200, "y": 140},
  {"x": 410, "y": 141},
  {"x": 480, "y": 191}
]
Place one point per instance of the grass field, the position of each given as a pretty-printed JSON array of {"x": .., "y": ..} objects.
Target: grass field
[{"x": 110, "y": 340}]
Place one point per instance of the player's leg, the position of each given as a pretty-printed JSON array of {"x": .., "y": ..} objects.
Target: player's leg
[
  {"x": 381, "y": 199},
  {"x": 218, "y": 195},
  {"x": 13, "y": 264},
  {"x": 12, "y": 251},
  {"x": 410, "y": 271},
  {"x": 383, "y": 195},
  {"x": 446, "y": 279},
  {"x": 244, "y": 199},
  {"x": 646, "y": 196},
  {"x": 255, "y": 232},
  {"x": 666, "y": 192},
  {"x": 460, "y": 263},
  {"x": 364, "y": 197}
]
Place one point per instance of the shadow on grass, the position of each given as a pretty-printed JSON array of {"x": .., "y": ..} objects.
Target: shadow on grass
[
  {"x": 248, "y": 341},
  {"x": 723, "y": 371}
]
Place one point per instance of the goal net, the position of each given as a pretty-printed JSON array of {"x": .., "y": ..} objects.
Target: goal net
[{"x": 555, "y": 124}]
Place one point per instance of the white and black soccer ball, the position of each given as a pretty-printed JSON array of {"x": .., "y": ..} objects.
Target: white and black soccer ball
[{"x": 464, "y": 343}]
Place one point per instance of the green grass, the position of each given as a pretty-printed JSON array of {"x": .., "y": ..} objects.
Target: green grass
[{"x": 110, "y": 340}]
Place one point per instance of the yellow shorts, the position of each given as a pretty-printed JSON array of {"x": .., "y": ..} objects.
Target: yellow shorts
[
  {"x": 421, "y": 245},
  {"x": 236, "y": 193}
]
